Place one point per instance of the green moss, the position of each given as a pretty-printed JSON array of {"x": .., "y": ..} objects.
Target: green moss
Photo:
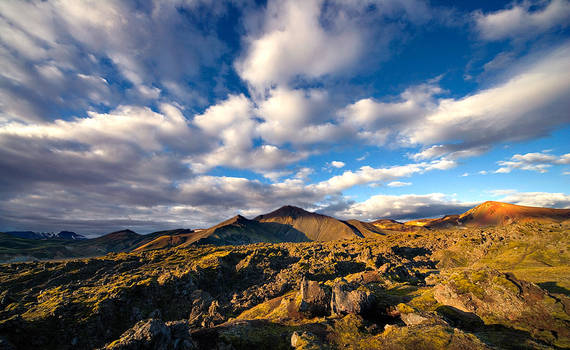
[{"x": 464, "y": 285}]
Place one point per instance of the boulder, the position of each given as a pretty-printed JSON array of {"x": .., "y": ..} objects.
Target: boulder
[
  {"x": 315, "y": 299},
  {"x": 155, "y": 334},
  {"x": 347, "y": 299},
  {"x": 146, "y": 334}
]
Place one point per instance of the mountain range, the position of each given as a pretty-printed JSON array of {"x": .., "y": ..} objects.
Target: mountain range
[
  {"x": 286, "y": 224},
  {"x": 46, "y": 235}
]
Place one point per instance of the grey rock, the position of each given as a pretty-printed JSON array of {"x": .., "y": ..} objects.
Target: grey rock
[
  {"x": 346, "y": 299},
  {"x": 315, "y": 299}
]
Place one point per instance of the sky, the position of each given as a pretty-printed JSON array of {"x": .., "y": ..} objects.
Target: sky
[{"x": 155, "y": 115}]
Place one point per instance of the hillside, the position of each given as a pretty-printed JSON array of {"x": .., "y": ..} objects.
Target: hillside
[
  {"x": 492, "y": 213},
  {"x": 497, "y": 213}
]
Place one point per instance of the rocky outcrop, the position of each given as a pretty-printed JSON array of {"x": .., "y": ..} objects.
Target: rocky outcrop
[
  {"x": 153, "y": 334},
  {"x": 499, "y": 297},
  {"x": 348, "y": 299},
  {"x": 315, "y": 299},
  {"x": 205, "y": 310}
]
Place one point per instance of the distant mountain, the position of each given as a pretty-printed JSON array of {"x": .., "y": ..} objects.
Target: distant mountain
[
  {"x": 46, "y": 235},
  {"x": 13, "y": 247},
  {"x": 286, "y": 224},
  {"x": 317, "y": 227},
  {"x": 492, "y": 213},
  {"x": 498, "y": 213}
]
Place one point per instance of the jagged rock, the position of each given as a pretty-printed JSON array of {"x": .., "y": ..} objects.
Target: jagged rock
[
  {"x": 346, "y": 299},
  {"x": 147, "y": 334},
  {"x": 205, "y": 310},
  {"x": 488, "y": 293},
  {"x": 156, "y": 335},
  {"x": 315, "y": 299}
]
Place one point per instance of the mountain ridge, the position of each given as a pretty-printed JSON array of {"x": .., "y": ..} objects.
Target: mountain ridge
[{"x": 285, "y": 224}]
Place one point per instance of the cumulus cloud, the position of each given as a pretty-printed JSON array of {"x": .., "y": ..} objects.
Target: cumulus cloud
[
  {"x": 233, "y": 126},
  {"x": 521, "y": 21},
  {"x": 529, "y": 103},
  {"x": 404, "y": 207},
  {"x": 536, "y": 161},
  {"x": 294, "y": 42},
  {"x": 337, "y": 164},
  {"x": 78, "y": 55},
  {"x": 534, "y": 199},
  {"x": 367, "y": 174}
]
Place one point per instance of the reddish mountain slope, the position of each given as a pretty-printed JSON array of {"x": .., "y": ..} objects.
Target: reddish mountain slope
[{"x": 497, "y": 213}]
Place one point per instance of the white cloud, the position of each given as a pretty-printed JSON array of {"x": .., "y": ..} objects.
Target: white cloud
[
  {"x": 294, "y": 42},
  {"x": 75, "y": 45},
  {"x": 367, "y": 174},
  {"x": 231, "y": 124},
  {"x": 527, "y": 105},
  {"x": 535, "y": 199},
  {"x": 406, "y": 206},
  {"x": 337, "y": 164},
  {"x": 296, "y": 116},
  {"x": 519, "y": 21},
  {"x": 535, "y": 161},
  {"x": 399, "y": 184}
]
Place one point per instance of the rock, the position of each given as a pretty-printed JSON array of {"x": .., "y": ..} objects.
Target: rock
[
  {"x": 155, "y": 334},
  {"x": 306, "y": 341},
  {"x": 346, "y": 299},
  {"x": 413, "y": 319},
  {"x": 147, "y": 334},
  {"x": 470, "y": 296},
  {"x": 315, "y": 299},
  {"x": 205, "y": 310}
]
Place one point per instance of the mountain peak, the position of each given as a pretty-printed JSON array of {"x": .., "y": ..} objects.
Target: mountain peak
[{"x": 287, "y": 211}]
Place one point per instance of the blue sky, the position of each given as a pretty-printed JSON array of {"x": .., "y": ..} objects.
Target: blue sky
[{"x": 163, "y": 114}]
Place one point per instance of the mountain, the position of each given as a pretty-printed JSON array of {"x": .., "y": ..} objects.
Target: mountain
[
  {"x": 317, "y": 227},
  {"x": 46, "y": 235},
  {"x": 286, "y": 224},
  {"x": 504, "y": 287},
  {"x": 492, "y": 213},
  {"x": 498, "y": 213},
  {"x": 14, "y": 248}
]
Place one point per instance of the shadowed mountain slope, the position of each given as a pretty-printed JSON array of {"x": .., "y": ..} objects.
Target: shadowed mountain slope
[{"x": 318, "y": 227}]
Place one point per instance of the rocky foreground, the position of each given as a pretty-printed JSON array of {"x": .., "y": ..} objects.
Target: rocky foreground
[{"x": 503, "y": 287}]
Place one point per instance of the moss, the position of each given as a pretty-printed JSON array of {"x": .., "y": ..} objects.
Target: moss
[
  {"x": 405, "y": 309},
  {"x": 425, "y": 301},
  {"x": 464, "y": 285}
]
